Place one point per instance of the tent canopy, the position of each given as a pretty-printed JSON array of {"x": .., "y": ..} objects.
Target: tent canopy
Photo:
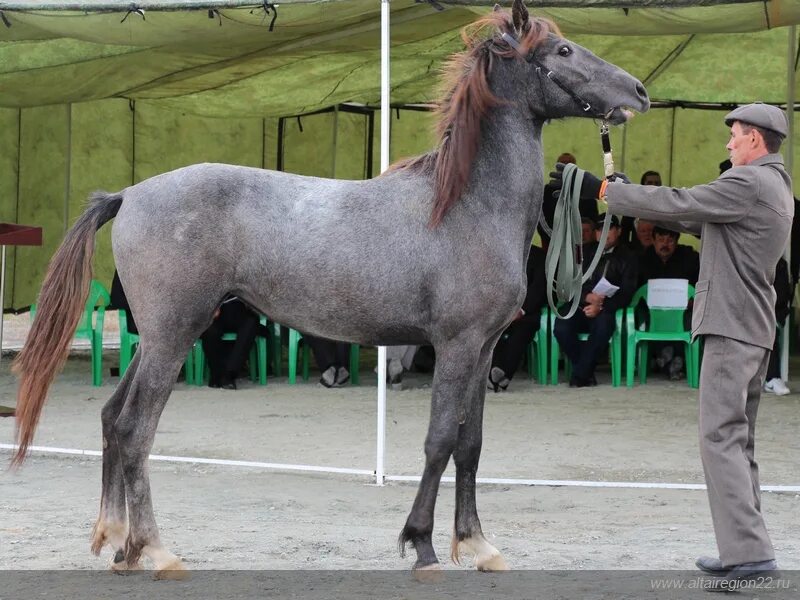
[
  {"x": 224, "y": 58},
  {"x": 102, "y": 94}
]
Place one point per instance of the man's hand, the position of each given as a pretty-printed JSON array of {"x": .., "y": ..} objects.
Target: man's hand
[
  {"x": 592, "y": 310},
  {"x": 621, "y": 177},
  {"x": 596, "y": 299},
  {"x": 590, "y": 190}
]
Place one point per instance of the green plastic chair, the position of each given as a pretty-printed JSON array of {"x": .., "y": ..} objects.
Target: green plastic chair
[
  {"x": 615, "y": 351},
  {"x": 257, "y": 361},
  {"x": 129, "y": 341},
  {"x": 294, "y": 349},
  {"x": 96, "y": 303},
  {"x": 127, "y": 344},
  {"x": 537, "y": 350},
  {"x": 666, "y": 325},
  {"x": 277, "y": 350}
]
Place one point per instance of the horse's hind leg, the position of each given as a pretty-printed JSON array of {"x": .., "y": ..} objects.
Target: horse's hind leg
[
  {"x": 467, "y": 533},
  {"x": 135, "y": 429},
  {"x": 112, "y": 524},
  {"x": 455, "y": 366}
]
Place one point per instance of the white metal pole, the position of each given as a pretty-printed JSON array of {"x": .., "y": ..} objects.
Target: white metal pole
[
  {"x": 385, "y": 115},
  {"x": 789, "y": 160}
]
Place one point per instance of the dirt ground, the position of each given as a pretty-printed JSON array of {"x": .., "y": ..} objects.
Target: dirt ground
[
  {"x": 221, "y": 517},
  {"x": 254, "y": 519}
]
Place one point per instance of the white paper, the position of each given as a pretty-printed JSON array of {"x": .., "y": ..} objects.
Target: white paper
[
  {"x": 605, "y": 288},
  {"x": 668, "y": 293}
]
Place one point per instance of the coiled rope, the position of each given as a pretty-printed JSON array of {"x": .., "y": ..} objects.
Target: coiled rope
[{"x": 564, "y": 260}]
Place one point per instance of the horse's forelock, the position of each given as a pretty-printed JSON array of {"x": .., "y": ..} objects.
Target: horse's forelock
[{"x": 537, "y": 30}]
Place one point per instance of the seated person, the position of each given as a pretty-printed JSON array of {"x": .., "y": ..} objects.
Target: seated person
[
  {"x": 120, "y": 302},
  {"x": 667, "y": 259},
  {"x": 588, "y": 230},
  {"x": 587, "y": 208},
  {"x": 630, "y": 235},
  {"x": 596, "y": 312},
  {"x": 783, "y": 300},
  {"x": 400, "y": 359},
  {"x": 643, "y": 235},
  {"x": 332, "y": 358},
  {"x": 233, "y": 316},
  {"x": 511, "y": 346}
]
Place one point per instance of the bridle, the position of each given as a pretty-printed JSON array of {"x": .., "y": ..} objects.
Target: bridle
[
  {"x": 542, "y": 70},
  {"x": 564, "y": 274}
]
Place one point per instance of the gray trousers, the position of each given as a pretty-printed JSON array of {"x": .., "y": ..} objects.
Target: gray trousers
[{"x": 730, "y": 389}]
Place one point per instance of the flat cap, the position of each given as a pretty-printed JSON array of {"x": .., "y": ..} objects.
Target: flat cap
[
  {"x": 760, "y": 115},
  {"x": 602, "y": 217}
]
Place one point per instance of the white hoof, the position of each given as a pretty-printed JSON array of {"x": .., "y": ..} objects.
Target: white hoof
[
  {"x": 175, "y": 571},
  {"x": 429, "y": 573},
  {"x": 490, "y": 564},
  {"x": 487, "y": 557},
  {"x": 123, "y": 568}
]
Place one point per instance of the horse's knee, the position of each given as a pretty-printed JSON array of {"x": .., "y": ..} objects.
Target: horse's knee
[{"x": 440, "y": 448}]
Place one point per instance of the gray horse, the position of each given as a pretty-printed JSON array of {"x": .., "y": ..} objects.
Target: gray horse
[{"x": 458, "y": 223}]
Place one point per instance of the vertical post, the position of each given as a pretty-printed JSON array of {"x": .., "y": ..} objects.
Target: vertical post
[
  {"x": 791, "y": 53},
  {"x": 385, "y": 116},
  {"x": 335, "y": 140},
  {"x": 370, "y": 143},
  {"x": 279, "y": 158},
  {"x": 2, "y": 295},
  {"x": 68, "y": 175}
]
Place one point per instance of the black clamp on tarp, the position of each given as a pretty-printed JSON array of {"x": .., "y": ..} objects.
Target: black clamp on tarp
[
  {"x": 267, "y": 7},
  {"x": 133, "y": 9}
]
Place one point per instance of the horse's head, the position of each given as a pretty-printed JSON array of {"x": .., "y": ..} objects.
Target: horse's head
[
  {"x": 524, "y": 63},
  {"x": 563, "y": 79}
]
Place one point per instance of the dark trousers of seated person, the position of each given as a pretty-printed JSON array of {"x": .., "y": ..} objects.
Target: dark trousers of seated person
[
  {"x": 226, "y": 359},
  {"x": 774, "y": 366},
  {"x": 584, "y": 355},
  {"x": 328, "y": 353},
  {"x": 512, "y": 344}
]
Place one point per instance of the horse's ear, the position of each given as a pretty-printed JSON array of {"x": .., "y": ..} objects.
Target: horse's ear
[
  {"x": 520, "y": 15},
  {"x": 497, "y": 8}
]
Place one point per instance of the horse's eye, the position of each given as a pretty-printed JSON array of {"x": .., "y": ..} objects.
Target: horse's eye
[{"x": 565, "y": 51}]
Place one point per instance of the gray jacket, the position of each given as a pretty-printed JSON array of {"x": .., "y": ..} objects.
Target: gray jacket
[{"x": 744, "y": 218}]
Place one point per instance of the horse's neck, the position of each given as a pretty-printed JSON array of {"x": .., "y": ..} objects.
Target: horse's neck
[{"x": 509, "y": 172}]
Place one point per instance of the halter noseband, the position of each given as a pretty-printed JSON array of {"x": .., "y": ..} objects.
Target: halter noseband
[{"x": 509, "y": 39}]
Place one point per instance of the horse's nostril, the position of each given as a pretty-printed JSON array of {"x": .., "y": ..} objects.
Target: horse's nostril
[{"x": 641, "y": 91}]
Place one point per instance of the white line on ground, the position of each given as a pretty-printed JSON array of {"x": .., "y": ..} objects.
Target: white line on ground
[{"x": 408, "y": 478}]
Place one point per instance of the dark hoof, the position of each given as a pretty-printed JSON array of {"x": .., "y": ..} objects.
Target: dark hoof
[{"x": 119, "y": 557}]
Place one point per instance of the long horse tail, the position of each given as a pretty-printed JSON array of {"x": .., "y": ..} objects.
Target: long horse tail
[{"x": 61, "y": 302}]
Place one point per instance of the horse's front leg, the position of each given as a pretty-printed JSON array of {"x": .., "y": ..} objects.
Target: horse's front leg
[
  {"x": 455, "y": 368},
  {"x": 467, "y": 534}
]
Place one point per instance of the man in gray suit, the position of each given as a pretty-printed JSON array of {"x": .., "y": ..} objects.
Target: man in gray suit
[{"x": 744, "y": 218}]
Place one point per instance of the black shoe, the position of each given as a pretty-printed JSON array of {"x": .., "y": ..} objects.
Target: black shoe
[
  {"x": 579, "y": 382},
  {"x": 227, "y": 383},
  {"x": 498, "y": 382},
  {"x": 710, "y": 565},
  {"x": 328, "y": 378},
  {"x": 740, "y": 572},
  {"x": 342, "y": 377}
]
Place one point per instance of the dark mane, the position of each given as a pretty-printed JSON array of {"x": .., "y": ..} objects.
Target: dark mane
[{"x": 466, "y": 100}]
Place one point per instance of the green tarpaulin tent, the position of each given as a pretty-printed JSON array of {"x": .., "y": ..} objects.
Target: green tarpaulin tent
[{"x": 103, "y": 94}]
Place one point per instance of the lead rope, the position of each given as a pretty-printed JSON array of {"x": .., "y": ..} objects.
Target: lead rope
[{"x": 564, "y": 260}]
